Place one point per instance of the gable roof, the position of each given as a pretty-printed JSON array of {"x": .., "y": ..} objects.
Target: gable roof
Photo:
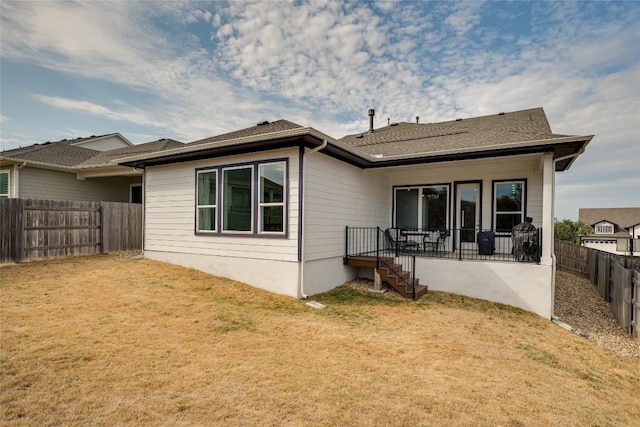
[
  {"x": 259, "y": 129},
  {"x": 67, "y": 154},
  {"x": 622, "y": 217},
  {"x": 520, "y": 132},
  {"x": 455, "y": 135}
]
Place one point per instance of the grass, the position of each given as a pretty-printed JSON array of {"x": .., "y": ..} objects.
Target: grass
[{"x": 109, "y": 340}]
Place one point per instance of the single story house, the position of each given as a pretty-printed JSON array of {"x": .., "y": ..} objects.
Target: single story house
[
  {"x": 615, "y": 230},
  {"x": 80, "y": 169},
  {"x": 289, "y": 209}
]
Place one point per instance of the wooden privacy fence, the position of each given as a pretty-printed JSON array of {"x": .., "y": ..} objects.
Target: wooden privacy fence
[
  {"x": 616, "y": 277},
  {"x": 33, "y": 229}
]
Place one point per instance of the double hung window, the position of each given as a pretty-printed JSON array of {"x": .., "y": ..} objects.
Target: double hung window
[
  {"x": 207, "y": 194},
  {"x": 508, "y": 205},
  {"x": 272, "y": 191}
]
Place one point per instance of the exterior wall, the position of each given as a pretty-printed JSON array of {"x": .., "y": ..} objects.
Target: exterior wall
[
  {"x": 337, "y": 195},
  {"x": 270, "y": 263},
  {"x": 275, "y": 276},
  {"x": 35, "y": 183},
  {"x": 104, "y": 144},
  {"x": 485, "y": 170},
  {"x": 522, "y": 285}
]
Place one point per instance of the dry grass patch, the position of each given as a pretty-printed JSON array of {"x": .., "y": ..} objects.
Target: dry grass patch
[{"x": 109, "y": 340}]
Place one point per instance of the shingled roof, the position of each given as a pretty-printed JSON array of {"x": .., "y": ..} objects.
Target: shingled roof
[
  {"x": 623, "y": 217},
  {"x": 504, "y": 134},
  {"x": 259, "y": 129},
  {"x": 474, "y": 134},
  {"x": 67, "y": 154}
]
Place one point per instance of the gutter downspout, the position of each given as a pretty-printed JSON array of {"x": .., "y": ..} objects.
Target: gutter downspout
[
  {"x": 553, "y": 252},
  {"x": 16, "y": 179},
  {"x": 144, "y": 199},
  {"x": 304, "y": 197}
]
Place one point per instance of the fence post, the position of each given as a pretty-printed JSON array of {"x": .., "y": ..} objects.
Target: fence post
[
  {"x": 19, "y": 253},
  {"x": 101, "y": 232}
]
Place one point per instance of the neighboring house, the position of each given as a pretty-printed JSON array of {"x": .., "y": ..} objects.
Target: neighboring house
[
  {"x": 81, "y": 169},
  {"x": 615, "y": 230},
  {"x": 269, "y": 205}
]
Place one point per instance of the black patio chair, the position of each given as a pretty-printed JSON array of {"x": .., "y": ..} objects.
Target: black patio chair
[{"x": 398, "y": 242}]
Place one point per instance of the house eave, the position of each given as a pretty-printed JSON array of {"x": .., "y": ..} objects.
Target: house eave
[{"x": 312, "y": 138}]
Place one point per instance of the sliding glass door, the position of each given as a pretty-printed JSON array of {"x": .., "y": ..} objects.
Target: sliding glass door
[{"x": 422, "y": 208}]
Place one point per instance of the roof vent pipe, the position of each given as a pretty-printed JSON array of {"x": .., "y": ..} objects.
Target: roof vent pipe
[{"x": 372, "y": 113}]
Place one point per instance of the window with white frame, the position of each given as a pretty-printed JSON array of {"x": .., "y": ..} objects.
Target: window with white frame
[
  {"x": 272, "y": 197},
  {"x": 422, "y": 208},
  {"x": 508, "y": 205},
  {"x": 4, "y": 184},
  {"x": 604, "y": 228},
  {"x": 207, "y": 196}
]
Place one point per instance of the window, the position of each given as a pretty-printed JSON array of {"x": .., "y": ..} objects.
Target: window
[
  {"x": 4, "y": 184},
  {"x": 252, "y": 199},
  {"x": 508, "y": 205},
  {"x": 206, "y": 210},
  {"x": 272, "y": 196},
  {"x": 604, "y": 228},
  {"x": 237, "y": 198},
  {"x": 422, "y": 208},
  {"x": 135, "y": 193}
]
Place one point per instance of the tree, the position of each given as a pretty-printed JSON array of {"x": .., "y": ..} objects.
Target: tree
[{"x": 570, "y": 230}]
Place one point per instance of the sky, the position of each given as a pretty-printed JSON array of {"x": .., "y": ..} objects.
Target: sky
[{"x": 188, "y": 70}]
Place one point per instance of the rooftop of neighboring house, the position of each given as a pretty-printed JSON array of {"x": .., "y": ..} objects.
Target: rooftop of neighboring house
[
  {"x": 518, "y": 132},
  {"x": 76, "y": 154},
  {"x": 622, "y": 218}
]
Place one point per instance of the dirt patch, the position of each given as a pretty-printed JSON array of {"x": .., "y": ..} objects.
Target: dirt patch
[{"x": 109, "y": 340}]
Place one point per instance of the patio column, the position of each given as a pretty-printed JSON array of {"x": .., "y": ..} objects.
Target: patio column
[{"x": 548, "y": 186}]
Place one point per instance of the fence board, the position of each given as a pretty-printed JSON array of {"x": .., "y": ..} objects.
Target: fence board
[
  {"x": 635, "y": 304},
  {"x": 33, "y": 229},
  {"x": 603, "y": 278},
  {"x": 621, "y": 294},
  {"x": 616, "y": 277}
]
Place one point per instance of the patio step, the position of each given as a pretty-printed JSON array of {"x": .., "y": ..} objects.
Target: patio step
[
  {"x": 387, "y": 274},
  {"x": 396, "y": 281}
]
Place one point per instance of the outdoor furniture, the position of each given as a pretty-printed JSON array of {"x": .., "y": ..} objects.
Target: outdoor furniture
[
  {"x": 433, "y": 239},
  {"x": 399, "y": 241}
]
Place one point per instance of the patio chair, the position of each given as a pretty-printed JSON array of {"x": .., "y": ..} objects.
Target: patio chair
[
  {"x": 434, "y": 239},
  {"x": 399, "y": 242}
]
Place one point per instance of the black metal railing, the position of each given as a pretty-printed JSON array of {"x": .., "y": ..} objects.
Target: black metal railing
[
  {"x": 478, "y": 244},
  {"x": 460, "y": 244},
  {"x": 388, "y": 253}
]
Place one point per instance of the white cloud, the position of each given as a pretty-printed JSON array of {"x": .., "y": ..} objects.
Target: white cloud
[{"x": 325, "y": 63}]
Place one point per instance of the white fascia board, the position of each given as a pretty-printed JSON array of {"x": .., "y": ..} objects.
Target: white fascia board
[{"x": 108, "y": 171}]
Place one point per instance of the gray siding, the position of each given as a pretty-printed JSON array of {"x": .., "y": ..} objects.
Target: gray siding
[{"x": 37, "y": 183}]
